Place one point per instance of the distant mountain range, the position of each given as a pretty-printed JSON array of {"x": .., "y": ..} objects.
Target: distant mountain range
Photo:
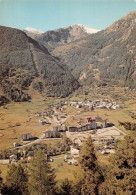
[
  {"x": 61, "y": 36},
  {"x": 82, "y": 57}
]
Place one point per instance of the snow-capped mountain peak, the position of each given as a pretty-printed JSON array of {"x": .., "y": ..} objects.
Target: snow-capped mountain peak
[
  {"x": 33, "y": 30},
  {"x": 88, "y": 30}
]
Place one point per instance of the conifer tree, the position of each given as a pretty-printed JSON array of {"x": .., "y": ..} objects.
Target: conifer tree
[
  {"x": 120, "y": 177},
  {"x": 66, "y": 188},
  {"x": 16, "y": 181},
  {"x": 78, "y": 182},
  {"x": 92, "y": 175},
  {"x": 0, "y": 182},
  {"x": 42, "y": 177}
]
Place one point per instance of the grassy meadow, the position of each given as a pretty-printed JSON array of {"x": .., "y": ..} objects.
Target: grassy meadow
[{"x": 18, "y": 118}]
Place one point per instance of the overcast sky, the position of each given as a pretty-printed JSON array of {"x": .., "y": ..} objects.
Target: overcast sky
[{"x": 51, "y": 14}]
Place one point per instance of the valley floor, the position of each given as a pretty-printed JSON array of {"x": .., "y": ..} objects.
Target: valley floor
[{"x": 19, "y": 118}]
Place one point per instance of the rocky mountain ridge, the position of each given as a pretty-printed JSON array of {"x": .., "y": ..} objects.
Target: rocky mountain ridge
[{"x": 54, "y": 38}]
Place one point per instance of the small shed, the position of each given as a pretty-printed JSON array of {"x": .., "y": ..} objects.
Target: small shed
[
  {"x": 67, "y": 157},
  {"x": 13, "y": 158},
  {"x": 15, "y": 144}
]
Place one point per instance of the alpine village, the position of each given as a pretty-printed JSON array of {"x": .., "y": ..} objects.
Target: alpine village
[{"x": 68, "y": 110}]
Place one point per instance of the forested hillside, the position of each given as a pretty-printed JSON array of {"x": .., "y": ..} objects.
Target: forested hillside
[
  {"x": 24, "y": 63},
  {"x": 107, "y": 57}
]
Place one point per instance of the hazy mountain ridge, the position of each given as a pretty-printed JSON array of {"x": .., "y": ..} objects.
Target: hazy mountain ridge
[
  {"x": 105, "y": 57},
  {"x": 24, "y": 63},
  {"x": 54, "y": 38}
]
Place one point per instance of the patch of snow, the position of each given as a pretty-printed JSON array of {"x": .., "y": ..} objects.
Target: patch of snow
[
  {"x": 33, "y": 30},
  {"x": 88, "y": 30}
]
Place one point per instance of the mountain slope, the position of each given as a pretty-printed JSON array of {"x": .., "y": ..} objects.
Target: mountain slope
[
  {"x": 107, "y": 57},
  {"x": 24, "y": 63},
  {"x": 62, "y": 36},
  {"x": 33, "y": 33}
]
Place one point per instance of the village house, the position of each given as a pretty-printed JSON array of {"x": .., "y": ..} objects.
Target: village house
[
  {"x": 79, "y": 140},
  {"x": 108, "y": 147},
  {"x": 67, "y": 157},
  {"x": 74, "y": 152},
  {"x": 90, "y": 126},
  {"x": 59, "y": 128},
  {"x": 30, "y": 158},
  {"x": 103, "y": 152},
  {"x": 50, "y": 159},
  {"x": 107, "y": 151},
  {"x": 42, "y": 122},
  {"x": 73, "y": 161},
  {"x": 48, "y": 134},
  {"x": 110, "y": 151},
  {"x": 93, "y": 124},
  {"x": 52, "y": 134},
  {"x": 16, "y": 144},
  {"x": 98, "y": 148},
  {"x": 21, "y": 158},
  {"x": 38, "y": 114},
  {"x": 73, "y": 129},
  {"x": 102, "y": 139},
  {"x": 13, "y": 158},
  {"x": 106, "y": 139},
  {"x": 73, "y": 104},
  {"x": 5, "y": 162},
  {"x": 79, "y": 106},
  {"x": 100, "y": 122},
  {"x": 26, "y": 137}
]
